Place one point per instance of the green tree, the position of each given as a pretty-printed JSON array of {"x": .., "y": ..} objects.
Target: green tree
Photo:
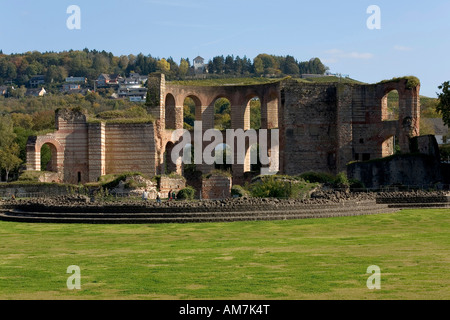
[
  {"x": 443, "y": 106},
  {"x": 7, "y": 134},
  {"x": 163, "y": 66},
  {"x": 9, "y": 159},
  {"x": 258, "y": 66},
  {"x": 183, "y": 69}
]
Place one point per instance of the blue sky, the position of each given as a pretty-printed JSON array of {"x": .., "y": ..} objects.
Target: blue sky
[{"x": 413, "y": 39}]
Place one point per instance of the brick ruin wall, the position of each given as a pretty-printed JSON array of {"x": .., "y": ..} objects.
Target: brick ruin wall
[
  {"x": 216, "y": 187},
  {"x": 167, "y": 183},
  {"x": 86, "y": 151},
  {"x": 322, "y": 128}
]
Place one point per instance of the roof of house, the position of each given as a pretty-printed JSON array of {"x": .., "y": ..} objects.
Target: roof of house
[
  {"x": 440, "y": 129},
  {"x": 109, "y": 76},
  {"x": 199, "y": 58}
]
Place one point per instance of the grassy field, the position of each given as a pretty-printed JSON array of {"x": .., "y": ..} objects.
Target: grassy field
[{"x": 286, "y": 260}]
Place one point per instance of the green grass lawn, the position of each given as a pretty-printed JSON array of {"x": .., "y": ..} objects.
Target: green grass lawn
[{"x": 302, "y": 259}]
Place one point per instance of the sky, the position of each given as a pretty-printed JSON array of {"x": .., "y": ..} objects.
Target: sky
[{"x": 412, "y": 38}]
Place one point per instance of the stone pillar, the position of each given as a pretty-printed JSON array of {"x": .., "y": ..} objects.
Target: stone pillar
[
  {"x": 156, "y": 95},
  {"x": 344, "y": 127},
  {"x": 97, "y": 156}
]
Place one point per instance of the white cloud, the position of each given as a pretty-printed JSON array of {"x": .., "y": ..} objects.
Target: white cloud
[
  {"x": 340, "y": 54},
  {"x": 337, "y": 53},
  {"x": 402, "y": 48}
]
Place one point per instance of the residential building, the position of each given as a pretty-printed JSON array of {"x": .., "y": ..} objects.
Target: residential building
[
  {"x": 133, "y": 87},
  {"x": 71, "y": 87},
  {"x": 108, "y": 80},
  {"x": 36, "y": 81},
  {"x": 81, "y": 80},
  {"x": 36, "y": 92},
  {"x": 199, "y": 65},
  {"x": 3, "y": 90}
]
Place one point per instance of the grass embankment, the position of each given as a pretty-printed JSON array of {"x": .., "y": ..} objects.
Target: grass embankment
[{"x": 305, "y": 259}]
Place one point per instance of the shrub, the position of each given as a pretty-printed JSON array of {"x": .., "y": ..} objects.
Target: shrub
[
  {"x": 317, "y": 177},
  {"x": 341, "y": 181},
  {"x": 187, "y": 193},
  {"x": 280, "y": 187},
  {"x": 356, "y": 184},
  {"x": 239, "y": 191}
]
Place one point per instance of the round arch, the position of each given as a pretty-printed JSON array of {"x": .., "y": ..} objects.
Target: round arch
[
  {"x": 170, "y": 112},
  {"x": 57, "y": 154}
]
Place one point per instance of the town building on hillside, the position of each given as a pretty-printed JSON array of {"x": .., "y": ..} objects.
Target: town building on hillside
[
  {"x": 108, "y": 80},
  {"x": 199, "y": 65},
  {"x": 36, "y": 92},
  {"x": 3, "y": 90},
  {"x": 36, "y": 81},
  {"x": 133, "y": 88},
  {"x": 67, "y": 87},
  {"x": 80, "y": 80}
]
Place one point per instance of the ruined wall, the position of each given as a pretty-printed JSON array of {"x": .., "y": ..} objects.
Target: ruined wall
[
  {"x": 412, "y": 170},
  {"x": 83, "y": 151},
  {"x": 166, "y": 184},
  {"x": 130, "y": 148},
  {"x": 326, "y": 126},
  {"x": 309, "y": 128},
  {"x": 216, "y": 187},
  {"x": 421, "y": 168}
]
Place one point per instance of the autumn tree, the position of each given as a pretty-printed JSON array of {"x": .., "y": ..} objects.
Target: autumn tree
[{"x": 443, "y": 106}]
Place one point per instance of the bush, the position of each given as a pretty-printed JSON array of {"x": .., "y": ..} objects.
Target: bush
[
  {"x": 341, "y": 181},
  {"x": 317, "y": 177},
  {"x": 187, "y": 193},
  {"x": 356, "y": 184},
  {"x": 280, "y": 187},
  {"x": 239, "y": 191}
]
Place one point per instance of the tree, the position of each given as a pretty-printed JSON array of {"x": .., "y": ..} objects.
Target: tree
[
  {"x": 290, "y": 66},
  {"x": 443, "y": 106},
  {"x": 7, "y": 135},
  {"x": 163, "y": 66},
  {"x": 183, "y": 69},
  {"x": 9, "y": 159},
  {"x": 258, "y": 66}
]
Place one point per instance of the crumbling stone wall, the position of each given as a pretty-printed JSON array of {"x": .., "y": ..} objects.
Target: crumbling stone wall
[
  {"x": 420, "y": 168},
  {"x": 170, "y": 183},
  {"x": 216, "y": 186},
  {"x": 322, "y": 127}
]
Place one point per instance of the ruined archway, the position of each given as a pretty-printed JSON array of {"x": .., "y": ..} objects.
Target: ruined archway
[
  {"x": 192, "y": 111},
  {"x": 223, "y": 157},
  {"x": 252, "y": 117},
  {"x": 49, "y": 157},
  {"x": 170, "y": 164},
  {"x": 390, "y": 106},
  {"x": 170, "y": 112},
  {"x": 222, "y": 114}
]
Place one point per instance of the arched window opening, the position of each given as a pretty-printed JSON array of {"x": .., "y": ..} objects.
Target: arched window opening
[
  {"x": 224, "y": 157},
  {"x": 49, "y": 158},
  {"x": 390, "y": 106},
  {"x": 222, "y": 114},
  {"x": 170, "y": 112}
]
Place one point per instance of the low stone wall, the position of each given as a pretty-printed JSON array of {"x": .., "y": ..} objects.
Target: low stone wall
[
  {"x": 43, "y": 189},
  {"x": 216, "y": 187},
  {"x": 413, "y": 197},
  {"x": 414, "y": 170},
  {"x": 167, "y": 183}
]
